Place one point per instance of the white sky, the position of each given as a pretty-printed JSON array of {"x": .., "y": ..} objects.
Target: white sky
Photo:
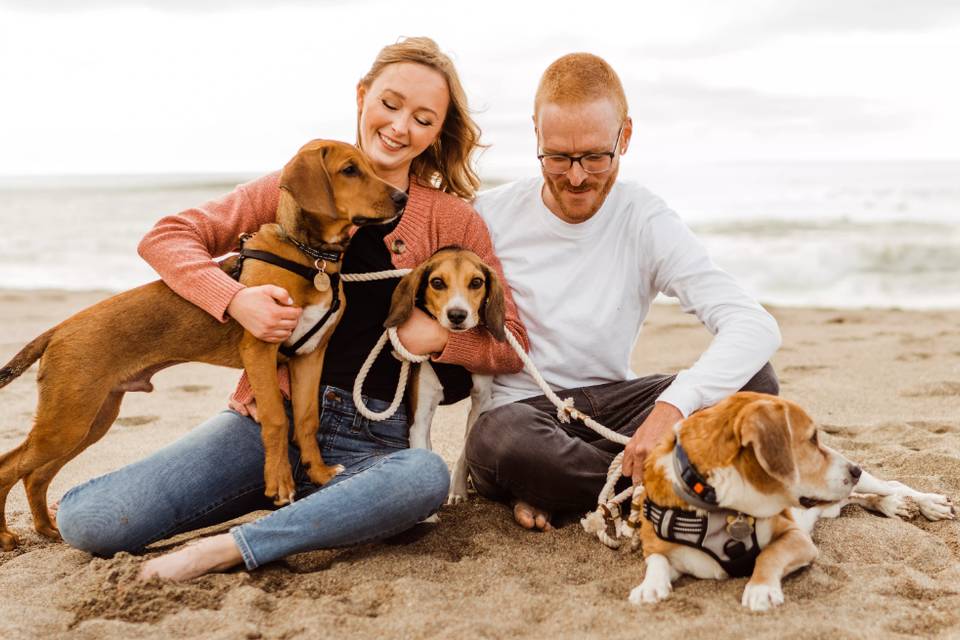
[{"x": 202, "y": 86}]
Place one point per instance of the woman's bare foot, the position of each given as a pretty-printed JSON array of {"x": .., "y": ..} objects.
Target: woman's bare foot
[
  {"x": 216, "y": 553},
  {"x": 529, "y": 517},
  {"x": 52, "y": 510}
]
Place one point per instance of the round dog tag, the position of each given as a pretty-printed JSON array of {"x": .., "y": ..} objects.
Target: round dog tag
[
  {"x": 321, "y": 281},
  {"x": 739, "y": 527}
]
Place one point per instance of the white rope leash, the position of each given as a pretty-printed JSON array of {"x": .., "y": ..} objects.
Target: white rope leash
[{"x": 606, "y": 521}]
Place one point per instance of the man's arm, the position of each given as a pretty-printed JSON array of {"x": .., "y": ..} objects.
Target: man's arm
[{"x": 745, "y": 335}]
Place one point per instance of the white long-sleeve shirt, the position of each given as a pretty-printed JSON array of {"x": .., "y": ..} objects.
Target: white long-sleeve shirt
[{"x": 583, "y": 291}]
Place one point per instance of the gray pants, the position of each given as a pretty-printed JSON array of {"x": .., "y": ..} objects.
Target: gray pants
[{"x": 522, "y": 451}]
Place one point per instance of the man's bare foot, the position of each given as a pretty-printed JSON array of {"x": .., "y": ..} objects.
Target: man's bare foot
[
  {"x": 216, "y": 553},
  {"x": 529, "y": 517},
  {"x": 52, "y": 510}
]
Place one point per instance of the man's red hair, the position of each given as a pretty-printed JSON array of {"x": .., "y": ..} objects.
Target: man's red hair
[{"x": 578, "y": 78}]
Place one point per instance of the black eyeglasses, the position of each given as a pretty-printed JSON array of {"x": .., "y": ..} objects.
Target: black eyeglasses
[{"x": 558, "y": 163}]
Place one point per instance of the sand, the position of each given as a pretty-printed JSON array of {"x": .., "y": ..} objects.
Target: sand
[{"x": 885, "y": 385}]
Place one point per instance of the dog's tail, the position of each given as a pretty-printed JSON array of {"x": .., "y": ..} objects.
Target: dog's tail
[{"x": 27, "y": 356}]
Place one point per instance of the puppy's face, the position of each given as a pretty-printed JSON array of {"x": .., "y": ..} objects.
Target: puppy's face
[
  {"x": 335, "y": 186},
  {"x": 779, "y": 437},
  {"x": 456, "y": 288}
]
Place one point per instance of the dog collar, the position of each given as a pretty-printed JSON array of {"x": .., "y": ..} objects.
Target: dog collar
[
  {"x": 327, "y": 253},
  {"x": 691, "y": 485}
]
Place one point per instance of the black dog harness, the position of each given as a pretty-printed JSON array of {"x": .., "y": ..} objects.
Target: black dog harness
[
  {"x": 727, "y": 536},
  {"x": 315, "y": 275}
]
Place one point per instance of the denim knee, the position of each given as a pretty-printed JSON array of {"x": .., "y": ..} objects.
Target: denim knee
[
  {"x": 430, "y": 476},
  {"x": 85, "y": 523}
]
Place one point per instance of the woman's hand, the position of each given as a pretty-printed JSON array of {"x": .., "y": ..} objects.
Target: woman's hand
[
  {"x": 422, "y": 335},
  {"x": 265, "y": 311}
]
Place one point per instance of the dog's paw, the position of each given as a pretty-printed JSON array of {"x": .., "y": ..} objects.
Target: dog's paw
[
  {"x": 8, "y": 540},
  {"x": 934, "y": 506},
  {"x": 650, "y": 592},
  {"x": 897, "y": 506},
  {"x": 280, "y": 487},
  {"x": 323, "y": 474},
  {"x": 762, "y": 597},
  {"x": 456, "y": 497}
]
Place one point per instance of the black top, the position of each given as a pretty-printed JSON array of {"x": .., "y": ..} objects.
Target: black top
[{"x": 367, "y": 306}]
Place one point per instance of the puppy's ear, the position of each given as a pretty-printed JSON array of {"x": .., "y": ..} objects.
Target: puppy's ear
[
  {"x": 306, "y": 178},
  {"x": 764, "y": 425},
  {"x": 494, "y": 306},
  {"x": 405, "y": 296}
]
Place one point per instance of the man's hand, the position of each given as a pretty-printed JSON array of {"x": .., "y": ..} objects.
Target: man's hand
[
  {"x": 421, "y": 334},
  {"x": 647, "y": 436},
  {"x": 265, "y": 311}
]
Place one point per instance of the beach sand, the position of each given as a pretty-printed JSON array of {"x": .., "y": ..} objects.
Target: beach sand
[{"x": 885, "y": 386}]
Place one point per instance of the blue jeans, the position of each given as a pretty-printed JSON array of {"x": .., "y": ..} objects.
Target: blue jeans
[{"x": 215, "y": 473}]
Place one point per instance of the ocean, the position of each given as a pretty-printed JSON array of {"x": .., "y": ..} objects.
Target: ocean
[{"x": 850, "y": 235}]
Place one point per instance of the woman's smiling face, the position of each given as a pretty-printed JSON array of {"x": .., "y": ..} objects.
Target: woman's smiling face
[{"x": 401, "y": 114}]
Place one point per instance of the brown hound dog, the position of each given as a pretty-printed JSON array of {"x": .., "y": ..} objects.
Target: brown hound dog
[
  {"x": 457, "y": 289},
  {"x": 737, "y": 490},
  {"x": 90, "y": 360}
]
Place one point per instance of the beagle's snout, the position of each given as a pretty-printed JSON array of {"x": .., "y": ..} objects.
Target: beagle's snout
[
  {"x": 855, "y": 471},
  {"x": 457, "y": 316}
]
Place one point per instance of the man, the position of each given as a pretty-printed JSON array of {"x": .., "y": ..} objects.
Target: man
[{"x": 585, "y": 256}]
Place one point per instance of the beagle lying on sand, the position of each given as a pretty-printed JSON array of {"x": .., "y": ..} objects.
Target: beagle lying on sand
[
  {"x": 737, "y": 491},
  {"x": 90, "y": 360},
  {"x": 457, "y": 289}
]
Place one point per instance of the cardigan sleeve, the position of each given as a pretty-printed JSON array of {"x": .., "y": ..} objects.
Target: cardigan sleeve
[
  {"x": 477, "y": 350},
  {"x": 182, "y": 247}
]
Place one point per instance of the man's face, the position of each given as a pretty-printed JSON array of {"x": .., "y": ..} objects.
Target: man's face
[{"x": 575, "y": 130}]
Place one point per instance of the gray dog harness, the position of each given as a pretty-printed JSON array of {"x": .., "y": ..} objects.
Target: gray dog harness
[
  {"x": 715, "y": 534},
  {"x": 727, "y": 536}
]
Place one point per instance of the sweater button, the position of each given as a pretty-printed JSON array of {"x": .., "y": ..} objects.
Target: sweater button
[{"x": 398, "y": 246}]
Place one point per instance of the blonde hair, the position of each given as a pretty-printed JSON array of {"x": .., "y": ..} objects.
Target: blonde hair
[
  {"x": 447, "y": 163},
  {"x": 577, "y": 78}
]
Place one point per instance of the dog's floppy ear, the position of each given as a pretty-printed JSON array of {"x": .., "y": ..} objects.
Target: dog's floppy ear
[
  {"x": 405, "y": 296},
  {"x": 765, "y": 426},
  {"x": 306, "y": 178},
  {"x": 494, "y": 306}
]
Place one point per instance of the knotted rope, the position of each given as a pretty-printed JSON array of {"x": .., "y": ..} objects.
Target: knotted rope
[{"x": 606, "y": 521}]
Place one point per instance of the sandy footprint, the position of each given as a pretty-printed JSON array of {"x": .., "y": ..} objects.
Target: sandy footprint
[{"x": 136, "y": 421}]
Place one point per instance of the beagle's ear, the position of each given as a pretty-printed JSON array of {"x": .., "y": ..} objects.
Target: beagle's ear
[
  {"x": 764, "y": 425},
  {"x": 306, "y": 178},
  {"x": 405, "y": 296},
  {"x": 494, "y": 306}
]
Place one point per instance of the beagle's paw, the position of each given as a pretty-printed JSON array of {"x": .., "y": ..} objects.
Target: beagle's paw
[
  {"x": 456, "y": 497},
  {"x": 651, "y": 591},
  {"x": 762, "y": 597},
  {"x": 897, "y": 506},
  {"x": 934, "y": 506}
]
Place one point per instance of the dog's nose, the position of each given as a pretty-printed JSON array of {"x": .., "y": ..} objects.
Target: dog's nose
[
  {"x": 399, "y": 199},
  {"x": 855, "y": 472},
  {"x": 457, "y": 316}
]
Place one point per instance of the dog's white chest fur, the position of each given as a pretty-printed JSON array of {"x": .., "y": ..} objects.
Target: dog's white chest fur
[{"x": 310, "y": 316}]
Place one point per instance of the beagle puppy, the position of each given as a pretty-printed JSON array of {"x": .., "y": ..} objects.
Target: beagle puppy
[
  {"x": 460, "y": 292},
  {"x": 737, "y": 490}
]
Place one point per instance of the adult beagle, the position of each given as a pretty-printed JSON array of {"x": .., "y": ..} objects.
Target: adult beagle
[
  {"x": 737, "y": 490},
  {"x": 459, "y": 291}
]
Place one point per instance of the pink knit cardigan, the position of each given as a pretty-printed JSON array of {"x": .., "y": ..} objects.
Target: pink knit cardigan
[{"x": 181, "y": 248}]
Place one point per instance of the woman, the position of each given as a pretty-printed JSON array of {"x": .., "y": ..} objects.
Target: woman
[{"x": 414, "y": 126}]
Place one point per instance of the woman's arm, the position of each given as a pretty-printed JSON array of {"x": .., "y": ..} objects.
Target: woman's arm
[{"x": 181, "y": 249}]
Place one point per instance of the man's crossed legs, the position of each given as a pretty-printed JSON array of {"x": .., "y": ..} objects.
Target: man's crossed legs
[{"x": 522, "y": 454}]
